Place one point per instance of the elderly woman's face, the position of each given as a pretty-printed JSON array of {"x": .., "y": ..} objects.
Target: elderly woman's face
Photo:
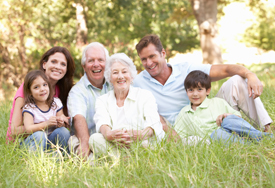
[{"x": 120, "y": 76}]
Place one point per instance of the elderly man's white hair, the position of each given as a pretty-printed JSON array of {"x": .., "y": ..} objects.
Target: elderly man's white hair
[
  {"x": 93, "y": 45},
  {"x": 121, "y": 58}
]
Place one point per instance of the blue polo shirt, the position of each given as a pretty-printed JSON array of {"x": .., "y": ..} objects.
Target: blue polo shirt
[{"x": 171, "y": 97}]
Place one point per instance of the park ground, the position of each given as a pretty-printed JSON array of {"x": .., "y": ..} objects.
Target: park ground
[{"x": 168, "y": 165}]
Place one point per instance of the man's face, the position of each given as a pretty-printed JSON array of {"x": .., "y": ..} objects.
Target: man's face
[
  {"x": 95, "y": 66},
  {"x": 153, "y": 60}
]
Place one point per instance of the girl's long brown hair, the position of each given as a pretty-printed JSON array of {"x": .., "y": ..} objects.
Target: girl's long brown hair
[
  {"x": 66, "y": 83},
  {"x": 29, "y": 78}
]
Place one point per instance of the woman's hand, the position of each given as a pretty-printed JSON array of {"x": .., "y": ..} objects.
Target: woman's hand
[
  {"x": 121, "y": 137},
  {"x": 137, "y": 135},
  {"x": 220, "y": 118}
]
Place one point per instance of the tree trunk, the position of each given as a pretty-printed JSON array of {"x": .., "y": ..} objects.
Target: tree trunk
[
  {"x": 81, "y": 36},
  {"x": 205, "y": 12}
]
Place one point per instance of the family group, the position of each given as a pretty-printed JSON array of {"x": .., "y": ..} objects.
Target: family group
[{"x": 112, "y": 106}]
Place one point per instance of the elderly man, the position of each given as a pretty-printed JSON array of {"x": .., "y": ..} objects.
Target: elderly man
[
  {"x": 82, "y": 97},
  {"x": 166, "y": 82}
]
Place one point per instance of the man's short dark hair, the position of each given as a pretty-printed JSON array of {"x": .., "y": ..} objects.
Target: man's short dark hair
[
  {"x": 195, "y": 78},
  {"x": 149, "y": 39}
]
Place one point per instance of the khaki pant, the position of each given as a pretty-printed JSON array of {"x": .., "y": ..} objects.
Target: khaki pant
[
  {"x": 235, "y": 92},
  {"x": 74, "y": 144}
]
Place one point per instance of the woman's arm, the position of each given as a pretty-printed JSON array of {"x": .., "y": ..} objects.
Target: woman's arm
[
  {"x": 17, "y": 127},
  {"x": 31, "y": 127}
]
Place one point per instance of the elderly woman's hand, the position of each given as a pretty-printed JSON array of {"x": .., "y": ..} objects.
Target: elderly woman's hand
[
  {"x": 141, "y": 134},
  {"x": 121, "y": 137}
]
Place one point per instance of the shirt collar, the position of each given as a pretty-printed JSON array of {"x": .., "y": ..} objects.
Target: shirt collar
[
  {"x": 87, "y": 83},
  {"x": 175, "y": 72},
  {"x": 204, "y": 104}
]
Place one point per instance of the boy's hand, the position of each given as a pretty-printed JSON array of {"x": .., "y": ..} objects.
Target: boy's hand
[{"x": 220, "y": 118}]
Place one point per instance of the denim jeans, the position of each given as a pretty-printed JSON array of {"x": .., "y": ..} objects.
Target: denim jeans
[
  {"x": 240, "y": 127},
  {"x": 40, "y": 140}
]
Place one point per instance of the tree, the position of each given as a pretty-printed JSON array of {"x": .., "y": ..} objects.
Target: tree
[
  {"x": 205, "y": 12},
  {"x": 261, "y": 33}
]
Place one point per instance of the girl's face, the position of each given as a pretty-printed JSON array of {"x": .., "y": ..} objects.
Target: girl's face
[
  {"x": 55, "y": 67},
  {"x": 40, "y": 89}
]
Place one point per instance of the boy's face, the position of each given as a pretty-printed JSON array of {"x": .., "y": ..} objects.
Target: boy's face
[{"x": 197, "y": 95}]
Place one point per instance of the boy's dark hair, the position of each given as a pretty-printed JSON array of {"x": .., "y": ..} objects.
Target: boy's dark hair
[
  {"x": 195, "y": 77},
  {"x": 149, "y": 39}
]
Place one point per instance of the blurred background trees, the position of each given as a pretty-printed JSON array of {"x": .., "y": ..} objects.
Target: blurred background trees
[{"x": 29, "y": 28}]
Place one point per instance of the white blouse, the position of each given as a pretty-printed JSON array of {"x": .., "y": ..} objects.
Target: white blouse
[{"x": 140, "y": 111}]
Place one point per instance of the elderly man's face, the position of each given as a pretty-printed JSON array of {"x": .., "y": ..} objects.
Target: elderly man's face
[{"x": 95, "y": 66}]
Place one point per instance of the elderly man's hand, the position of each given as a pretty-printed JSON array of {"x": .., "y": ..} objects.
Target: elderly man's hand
[
  {"x": 84, "y": 150},
  {"x": 253, "y": 83}
]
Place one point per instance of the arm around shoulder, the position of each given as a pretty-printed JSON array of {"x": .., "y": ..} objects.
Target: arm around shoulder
[{"x": 17, "y": 127}]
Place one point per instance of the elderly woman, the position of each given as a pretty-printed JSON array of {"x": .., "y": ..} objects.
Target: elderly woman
[{"x": 125, "y": 114}]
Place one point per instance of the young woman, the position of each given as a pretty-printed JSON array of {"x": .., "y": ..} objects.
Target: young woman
[
  {"x": 59, "y": 67},
  {"x": 43, "y": 114}
]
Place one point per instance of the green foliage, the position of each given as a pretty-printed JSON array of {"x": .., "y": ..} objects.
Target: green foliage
[
  {"x": 168, "y": 165},
  {"x": 261, "y": 33}
]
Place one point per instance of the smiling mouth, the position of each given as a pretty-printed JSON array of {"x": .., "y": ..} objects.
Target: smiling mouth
[
  {"x": 152, "y": 67},
  {"x": 56, "y": 72},
  {"x": 96, "y": 71},
  {"x": 121, "y": 82}
]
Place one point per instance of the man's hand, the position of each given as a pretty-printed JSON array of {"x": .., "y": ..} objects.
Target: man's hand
[
  {"x": 83, "y": 150},
  {"x": 220, "y": 118},
  {"x": 253, "y": 83}
]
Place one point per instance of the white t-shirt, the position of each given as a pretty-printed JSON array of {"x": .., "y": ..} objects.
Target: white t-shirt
[{"x": 40, "y": 116}]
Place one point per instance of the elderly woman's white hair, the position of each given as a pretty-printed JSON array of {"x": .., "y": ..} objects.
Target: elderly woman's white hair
[
  {"x": 93, "y": 45},
  {"x": 121, "y": 58}
]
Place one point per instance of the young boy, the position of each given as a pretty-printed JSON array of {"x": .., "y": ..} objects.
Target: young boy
[{"x": 205, "y": 117}]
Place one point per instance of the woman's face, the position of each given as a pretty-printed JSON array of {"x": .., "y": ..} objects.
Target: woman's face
[
  {"x": 120, "y": 77},
  {"x": 56, "y": 67}
]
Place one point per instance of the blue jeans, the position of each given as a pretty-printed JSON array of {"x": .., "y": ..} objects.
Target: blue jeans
[
  {"x": 240, "y": 127},
  {"x": 40, "y": 140}
]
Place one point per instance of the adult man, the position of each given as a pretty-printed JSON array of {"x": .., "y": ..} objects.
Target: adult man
[
  {"x": 82, "y": 97},
  {"x": 166, "y": 82}
]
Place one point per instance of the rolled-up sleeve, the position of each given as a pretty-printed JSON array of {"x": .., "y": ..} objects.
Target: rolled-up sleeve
[{"x": 102, "y": 116}]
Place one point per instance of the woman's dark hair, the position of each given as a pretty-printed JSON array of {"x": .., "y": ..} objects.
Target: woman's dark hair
[
  {"x": 195, "y": 78},
  {"x": 29, "y": 78},
  {"x": 66, "y": 83}
]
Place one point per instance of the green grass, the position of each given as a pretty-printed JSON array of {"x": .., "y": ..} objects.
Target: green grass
[{"x": 169, "y": 165}]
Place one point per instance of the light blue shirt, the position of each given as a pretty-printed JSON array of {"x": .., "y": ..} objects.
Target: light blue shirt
[
  {"x": 171, "y": 97},
  {"x": 81, "y": 100}
]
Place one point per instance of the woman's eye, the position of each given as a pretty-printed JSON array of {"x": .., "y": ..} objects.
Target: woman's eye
[
  {"x": 64, "y": 64},
  {"x": 53, "y": 61}
]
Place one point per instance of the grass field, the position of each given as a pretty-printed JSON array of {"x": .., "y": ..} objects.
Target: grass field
[{"x": 169, "y": 165}]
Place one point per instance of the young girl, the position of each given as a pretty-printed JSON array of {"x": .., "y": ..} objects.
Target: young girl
[{"x": 42, "y": 114}]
